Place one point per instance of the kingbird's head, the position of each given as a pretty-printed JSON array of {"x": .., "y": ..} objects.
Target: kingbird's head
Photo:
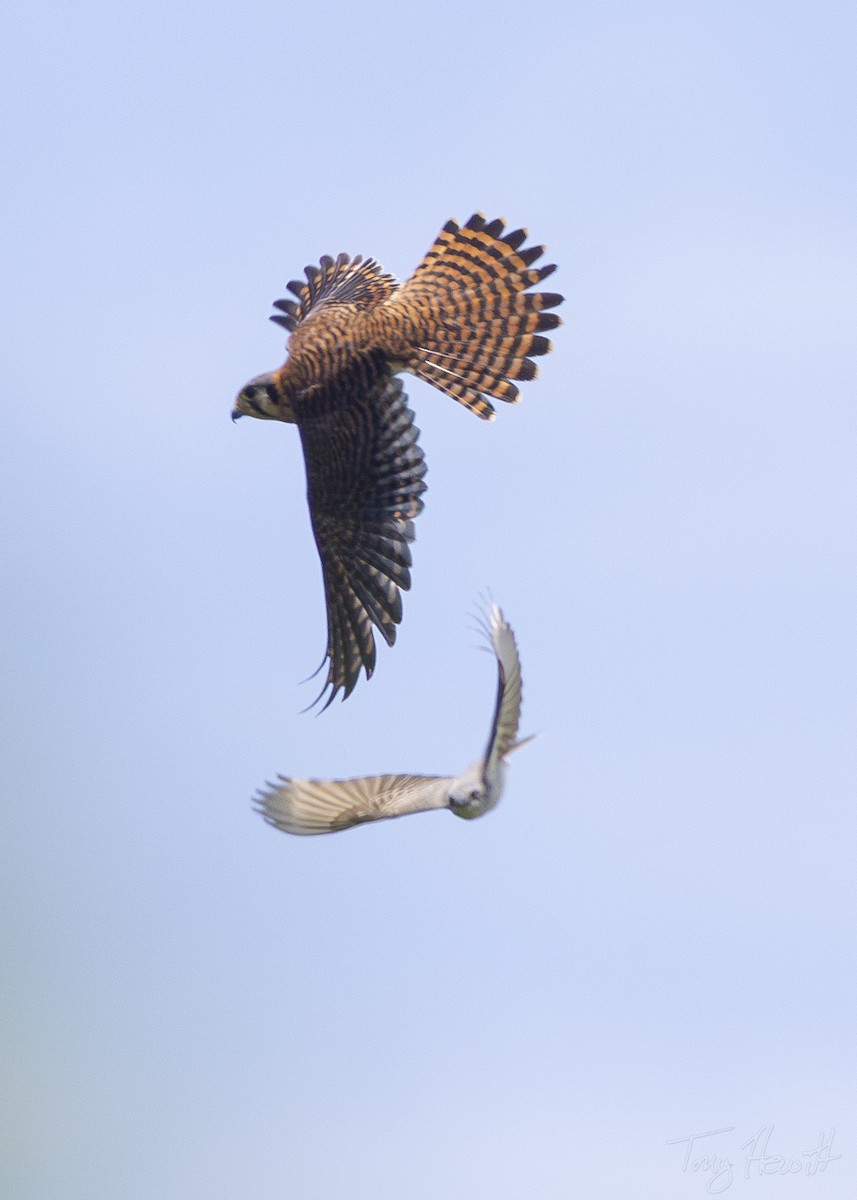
[
  {"x": 468, "y": 803},
  {"x": 473, "y": 793}
]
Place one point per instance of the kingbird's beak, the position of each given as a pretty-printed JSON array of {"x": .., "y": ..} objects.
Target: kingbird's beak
[{"x": 236, "y": 413}]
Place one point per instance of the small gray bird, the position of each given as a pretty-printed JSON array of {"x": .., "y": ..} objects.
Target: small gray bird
[{"x": 306, "y": 806}]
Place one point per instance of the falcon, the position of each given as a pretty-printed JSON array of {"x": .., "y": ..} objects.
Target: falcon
[
  {"x": 465, "y": 322},
  {"x": 308, "y": 806}
]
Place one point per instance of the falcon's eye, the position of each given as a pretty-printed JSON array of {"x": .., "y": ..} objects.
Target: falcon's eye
[
  {"x": 254, "y": 396},
  {"x": 475, "y": 794}
]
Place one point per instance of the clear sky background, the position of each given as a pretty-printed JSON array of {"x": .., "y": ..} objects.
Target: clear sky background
[{"x": 653, "y": 936}]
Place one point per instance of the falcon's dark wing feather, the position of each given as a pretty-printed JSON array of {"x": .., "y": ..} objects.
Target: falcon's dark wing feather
[
  {"x": 341, "y": 280},
  {"x": 364, "y": 481}
]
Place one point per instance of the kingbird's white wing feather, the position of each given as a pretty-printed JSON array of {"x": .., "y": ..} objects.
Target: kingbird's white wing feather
[
  {"x": 307, "y": 806},
  {"x": 507, "y": 712}
]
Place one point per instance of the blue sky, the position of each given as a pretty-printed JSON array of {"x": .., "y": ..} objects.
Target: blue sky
[{"x": 652, "y": 937}]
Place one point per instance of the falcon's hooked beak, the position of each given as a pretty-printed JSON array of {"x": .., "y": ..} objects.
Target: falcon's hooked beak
[{"x": 236, "y": 413}]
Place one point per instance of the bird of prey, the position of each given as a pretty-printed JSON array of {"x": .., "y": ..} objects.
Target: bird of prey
[
  {"x": 465, "y": 322},
  {"x": 307, "y": 806}
]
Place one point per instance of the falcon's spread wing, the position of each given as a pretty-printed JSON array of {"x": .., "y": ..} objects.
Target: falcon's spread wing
[
  {"x": 358, "y": 282},
  {"x": 364, "y": 481},
  {"x": 306, "y": 806},
  {"x": 507, "y": 712}
]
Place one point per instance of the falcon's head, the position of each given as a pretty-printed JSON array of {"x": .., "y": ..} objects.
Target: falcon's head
[{"x": 261, "y": 397}]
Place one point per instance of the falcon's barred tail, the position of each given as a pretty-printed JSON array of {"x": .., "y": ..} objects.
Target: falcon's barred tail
[{"x": 479, "y": 326}]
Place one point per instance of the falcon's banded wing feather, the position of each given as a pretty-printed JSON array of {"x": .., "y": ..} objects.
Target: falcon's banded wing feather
[
  {"x": 364, "y": 481},
  {"x": 307, "y": 806},
  {"x": 507, "y": 712},
  {"x": 349, "y": 281}
]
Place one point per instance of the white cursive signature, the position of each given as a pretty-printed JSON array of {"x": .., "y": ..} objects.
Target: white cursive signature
[{"x": 708, "y": 1160}]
